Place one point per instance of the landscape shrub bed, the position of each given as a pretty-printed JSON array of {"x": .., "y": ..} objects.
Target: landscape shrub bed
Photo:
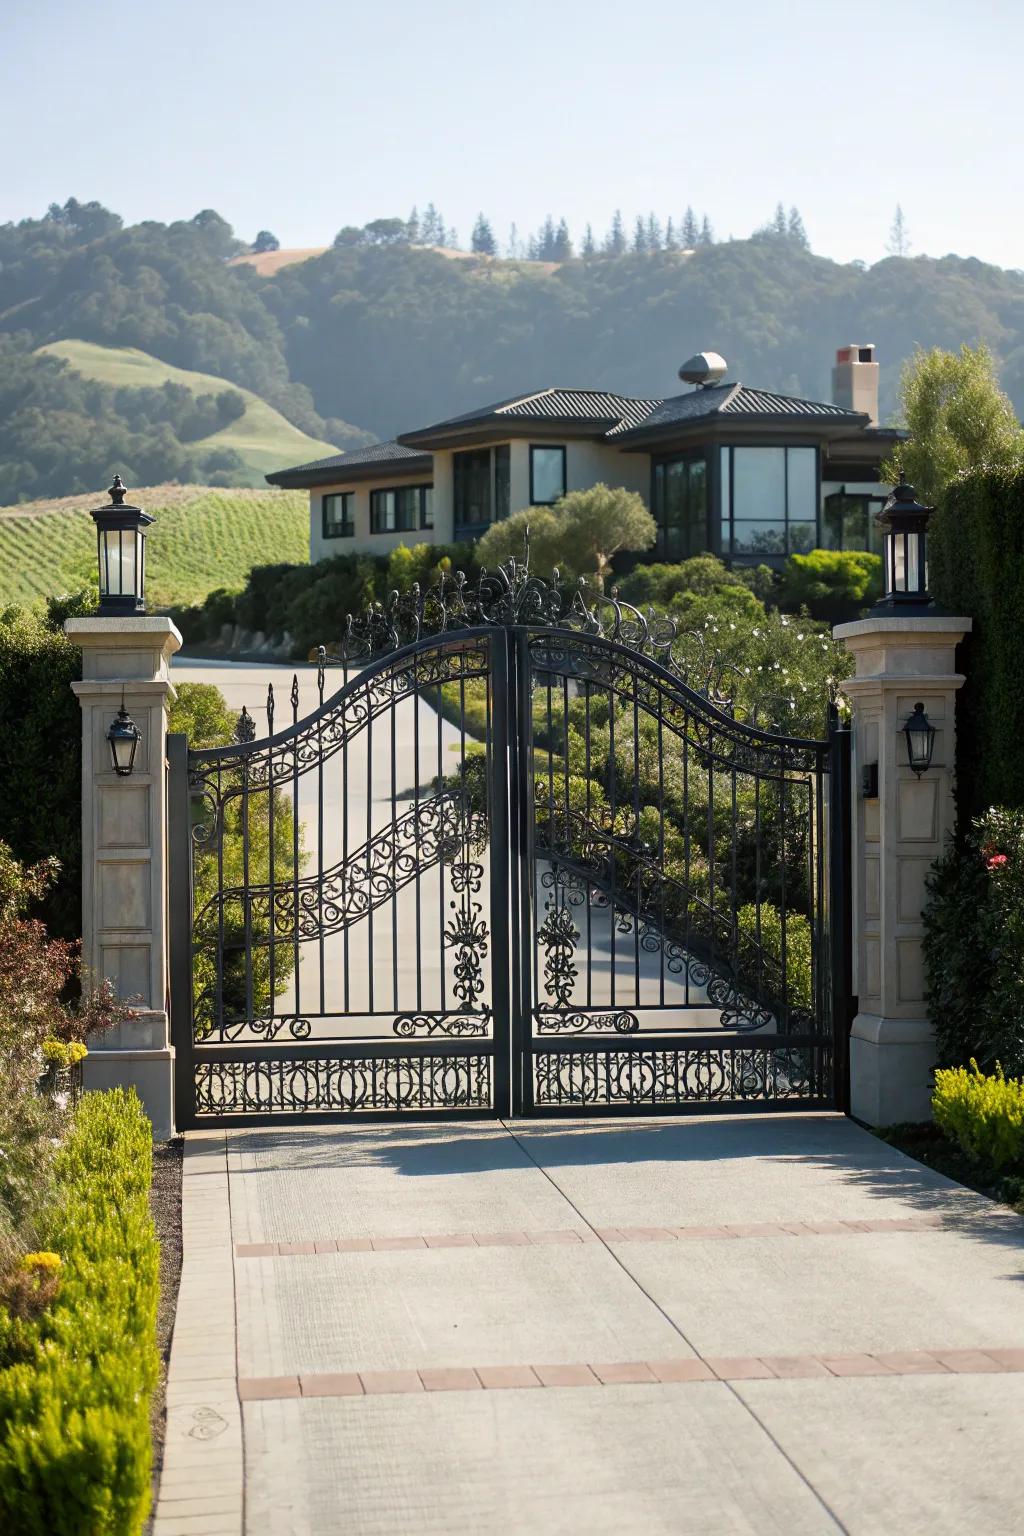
[
  {"x": 78, "y": 1354},
  {"x": 974, "y": 945},
  {"x": 984, "y": 1114}
]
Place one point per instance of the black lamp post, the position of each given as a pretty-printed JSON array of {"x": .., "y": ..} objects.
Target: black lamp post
[
  {"x": 124, "y": 737},
  {"x": 121, "y": 551},
  {"x": 904, "y": 523},
  {"x": 920, "y": 734}
]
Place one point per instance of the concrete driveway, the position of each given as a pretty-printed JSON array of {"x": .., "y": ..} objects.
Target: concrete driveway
[{"x": 748, "y": 1324}]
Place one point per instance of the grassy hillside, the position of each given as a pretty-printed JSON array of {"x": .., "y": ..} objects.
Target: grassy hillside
[
  {"x": 263, "y": 438},
  {"x": 202, "y": 539}
]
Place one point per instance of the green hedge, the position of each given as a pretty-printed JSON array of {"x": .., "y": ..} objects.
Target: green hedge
[
  {"x": 976, "y": 567},
  {"x": 75, "y": 1384},
  {"x": 41, "y": 757}
]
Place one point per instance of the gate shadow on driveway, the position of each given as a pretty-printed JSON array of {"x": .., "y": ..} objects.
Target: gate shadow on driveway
[{"x": 831, "y": 1159}]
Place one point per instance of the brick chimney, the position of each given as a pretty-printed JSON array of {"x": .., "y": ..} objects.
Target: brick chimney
[{"x": 855, "y": 380}]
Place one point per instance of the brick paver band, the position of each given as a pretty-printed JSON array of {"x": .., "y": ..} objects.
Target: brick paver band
[
  {"x": 422, "y": 1242},
  {"x": 497, "y": 1378}
]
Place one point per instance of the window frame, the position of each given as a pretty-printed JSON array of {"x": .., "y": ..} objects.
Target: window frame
[
  {"x": 559, "y": 448},
  {"x": 346, "y": 528},
  {"x": 873, "y": 501},
  {"x": 726, "y": 513},
  {"x": 418, "y": 522},
  {"x": 659, "y": 503},
  {"x": 458, "y": 459}
]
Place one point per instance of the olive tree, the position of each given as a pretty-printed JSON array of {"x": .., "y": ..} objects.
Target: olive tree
[{"x": 581, "y": 534}]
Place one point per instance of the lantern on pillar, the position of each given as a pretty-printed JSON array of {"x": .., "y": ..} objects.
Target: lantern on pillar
[
  {"x": 123, "y": 737},
  {"x": 121, "y": 552},
  {"x": 904, "y": 523}
]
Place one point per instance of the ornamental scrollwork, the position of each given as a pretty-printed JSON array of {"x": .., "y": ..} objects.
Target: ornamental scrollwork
[
  {"x": 558, "y": 936},
  {"x": 458, "y": 1025},
  {"x": 620, "y": 1020}
]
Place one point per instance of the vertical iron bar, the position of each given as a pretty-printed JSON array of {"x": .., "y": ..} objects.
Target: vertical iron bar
[
  {"x": 613, "y": 776},
  {"x": 246, "y": 886},
  {"x": 417, "y": 844},
  {"x": 394, "y": 848},
  {"x": 272, "y": 870},
  {"x": 637, "y": 840},
  {"x": 505, "y": 937},
  {"x": 524, "y": 803}
]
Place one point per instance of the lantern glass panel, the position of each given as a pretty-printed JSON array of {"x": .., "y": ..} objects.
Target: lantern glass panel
[{"x": 119, "y": 567}]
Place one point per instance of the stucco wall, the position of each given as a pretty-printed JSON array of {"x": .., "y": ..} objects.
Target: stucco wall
[{"x": 364, "y": 542}]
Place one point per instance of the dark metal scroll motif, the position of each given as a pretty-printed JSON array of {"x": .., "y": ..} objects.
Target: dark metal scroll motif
[
  {"x": 342, "y": 1084},
  {"x": 513, "y": 595},
  {"x": 687, "y": 1074},
  {"x": 313, "y": 906},
  {"x": 558, "y": 936},
  {"x": 412, "y": 1025},
  {"x": 620, "y": 1020}
]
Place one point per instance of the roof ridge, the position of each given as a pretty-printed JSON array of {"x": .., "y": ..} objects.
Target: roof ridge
[{"x": 523, "y": 399}]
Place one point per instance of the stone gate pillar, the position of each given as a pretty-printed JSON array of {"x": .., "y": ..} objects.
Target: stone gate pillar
[
  {"x": 900, "y": 827},
  {"x": 124, "y": 850}
]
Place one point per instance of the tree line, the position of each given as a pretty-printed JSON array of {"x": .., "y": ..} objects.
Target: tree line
[{"x": 553, "y": 241}]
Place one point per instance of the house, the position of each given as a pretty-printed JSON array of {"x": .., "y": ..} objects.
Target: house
[{"x": 745, "y": 473}]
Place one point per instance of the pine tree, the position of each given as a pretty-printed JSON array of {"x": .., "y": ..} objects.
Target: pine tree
[
  {"x": 615, "y": 244},
  {"x": 432, "y": 227},
  {"x": 450, "y": 238},
  {"x": 588, "y": 248},
  {"x": 546, "y": 240},
  {"x": 671, "y": 243},
  {"x": 778, "y": 224},
  {"x": 639, "y": 236},
  {"x": 691, "y": 229},
  {"x": 898, "y": 243},
  {"x": 482, "y": 240},
  {"x": 562, "y": 247},
  {"x": 513, "y": 243},
  {"x": 707, "y": 234},
  {"x": 412, "y": 227},
  {"x": 654, "y": 235},
  {"x": 796, "y": 231}
]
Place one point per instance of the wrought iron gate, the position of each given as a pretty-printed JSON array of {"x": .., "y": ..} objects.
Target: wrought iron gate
[{"x": 515, "y": 864}]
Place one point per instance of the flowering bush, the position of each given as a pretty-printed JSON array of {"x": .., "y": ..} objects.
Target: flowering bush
[
  {"x": 983, "y": 1113},
  {"x": 974, "y": 945},
  {"x": 37, "y": 975}
]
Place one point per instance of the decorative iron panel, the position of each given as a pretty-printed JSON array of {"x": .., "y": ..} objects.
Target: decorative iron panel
[{"x": 523, "y": 859}]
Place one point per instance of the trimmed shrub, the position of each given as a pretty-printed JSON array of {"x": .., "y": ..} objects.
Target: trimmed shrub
[
  {"x": 41, "y": 759},
  {"x": 976, "y": 567},
  {"x": 76, "y": 1379},
  {"x": 974, "y": 945},
  {"x": 983, "y": 1114},
  {"x": 833, "y": 585}
]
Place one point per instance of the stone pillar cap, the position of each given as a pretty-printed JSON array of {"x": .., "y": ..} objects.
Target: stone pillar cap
[
  {"x": 126, "y": 631},
  {"x": 905, "y": 624}
]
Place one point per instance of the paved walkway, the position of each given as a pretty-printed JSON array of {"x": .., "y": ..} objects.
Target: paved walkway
[{"x": 752, "y": 1325}]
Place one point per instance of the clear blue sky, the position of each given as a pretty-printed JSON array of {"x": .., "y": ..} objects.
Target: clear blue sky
[{"x": 304, "y": 115}]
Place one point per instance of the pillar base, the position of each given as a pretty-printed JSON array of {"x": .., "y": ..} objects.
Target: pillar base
[
  {"x": 891, "y": 1069},
  {"x": 150, "y": 1073}
]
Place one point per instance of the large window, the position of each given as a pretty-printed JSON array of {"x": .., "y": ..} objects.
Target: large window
[
  {"x": 547, "y": 475},
  {"x": 769, "y": 500},
  {"x": 401, "y": 510},
  {"x": 338, "y": 515},
  {"x": 680, "y": 506},
  {"x": 848, "y": 521},
  {"x": 481, "y": 487}
]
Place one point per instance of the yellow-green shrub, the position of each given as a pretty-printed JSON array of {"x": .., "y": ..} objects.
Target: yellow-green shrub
[
  {"x": 75, "y": 1382},
  {"x": 983, "y": 1113}
]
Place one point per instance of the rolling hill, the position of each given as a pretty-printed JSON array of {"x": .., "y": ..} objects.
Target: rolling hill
[
  {"x": 262, "y": 437},
  {"x": 202, "y": 539}
]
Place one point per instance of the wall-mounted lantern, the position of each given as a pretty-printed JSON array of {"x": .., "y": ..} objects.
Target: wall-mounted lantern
[
  {"x": 920, "y": 734},
  {"x": 124, "y": 737},
  {"x": 121, "y": 552}
]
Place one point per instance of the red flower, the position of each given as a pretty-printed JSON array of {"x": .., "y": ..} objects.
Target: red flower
[{"x": 997, "y": 861}]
